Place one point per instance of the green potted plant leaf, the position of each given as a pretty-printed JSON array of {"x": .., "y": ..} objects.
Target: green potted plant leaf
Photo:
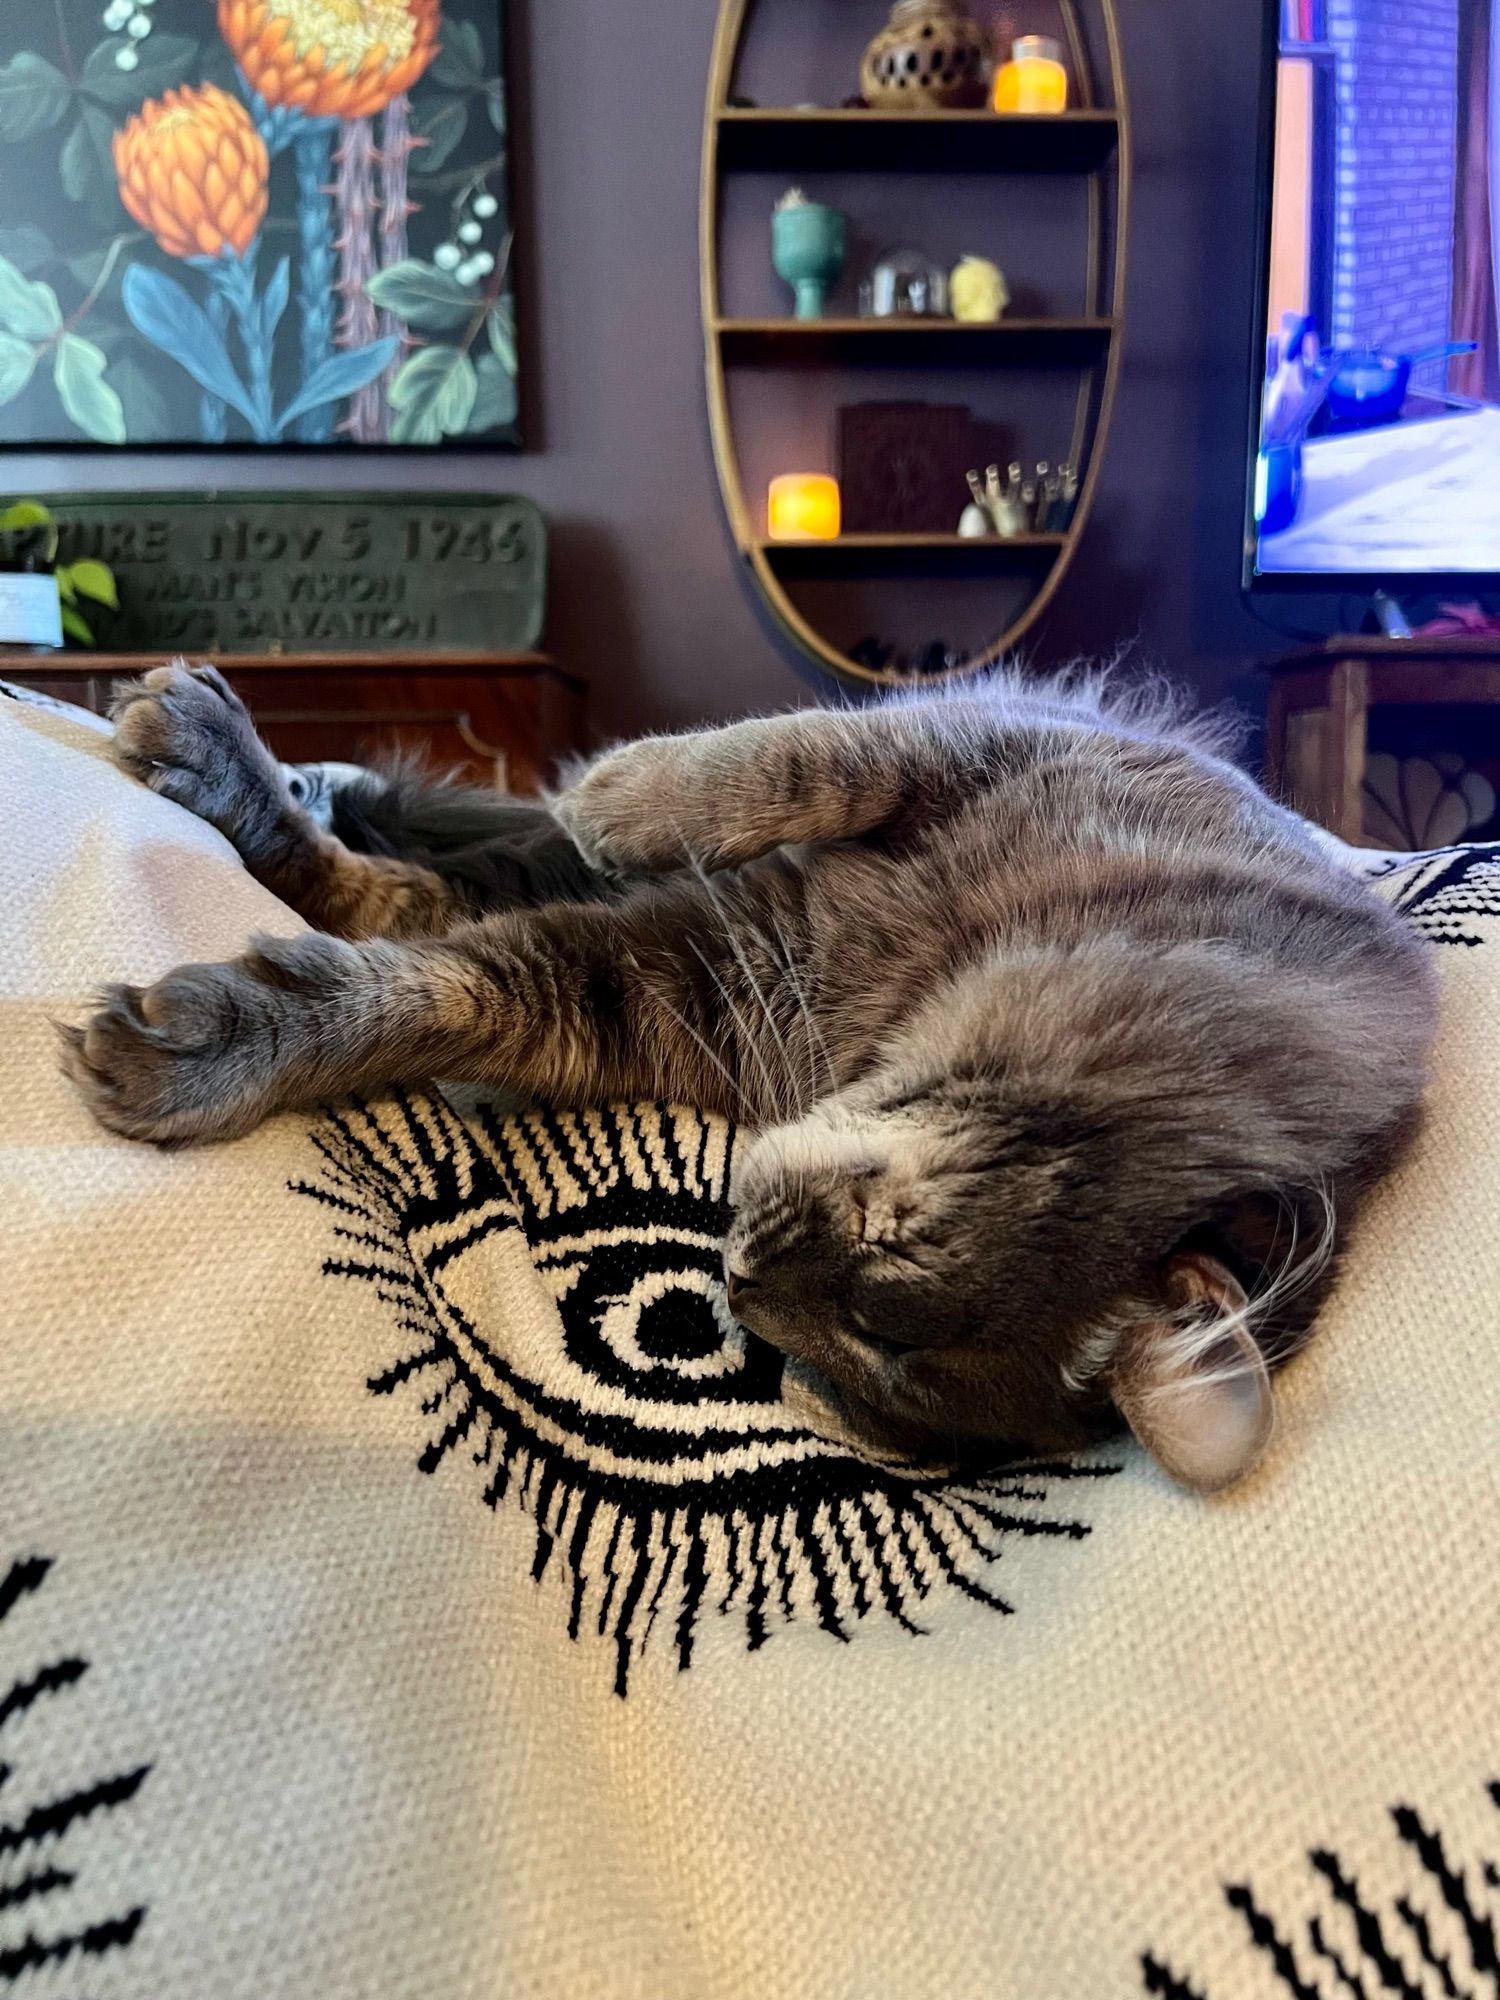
[{"x": 42, "y": 599}]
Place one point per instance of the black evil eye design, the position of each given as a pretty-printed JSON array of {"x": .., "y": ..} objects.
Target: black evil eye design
[{"x": 555, "y": 1280}]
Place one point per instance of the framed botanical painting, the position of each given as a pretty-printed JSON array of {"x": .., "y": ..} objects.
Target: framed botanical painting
[{"x": 255, "y": 223}]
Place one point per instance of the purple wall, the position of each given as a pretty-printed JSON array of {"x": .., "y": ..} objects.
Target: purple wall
[
  {"x": 647, "y": 601},
  {"x": 1397, "y": 112}
]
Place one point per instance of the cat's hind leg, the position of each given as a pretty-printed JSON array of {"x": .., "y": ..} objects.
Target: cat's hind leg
[
  {"x": 183, "y": 731},
  {"x": 499, "y": 852}
]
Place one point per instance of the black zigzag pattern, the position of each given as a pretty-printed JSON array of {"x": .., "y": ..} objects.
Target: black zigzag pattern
[
  {"x": 36, "y": 1868},
  {"x": 1435, "y": 1942},
  {"x": 638, "y": 1426},
  {"x": 1448, "y": 893}
]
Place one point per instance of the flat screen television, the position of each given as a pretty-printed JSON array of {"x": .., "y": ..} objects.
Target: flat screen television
[{"x": 1375, "y": 433}]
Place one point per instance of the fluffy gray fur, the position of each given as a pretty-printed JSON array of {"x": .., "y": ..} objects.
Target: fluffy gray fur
[{"x": 1066, "y": 1056}]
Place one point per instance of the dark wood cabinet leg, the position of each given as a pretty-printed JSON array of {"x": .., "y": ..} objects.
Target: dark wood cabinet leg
[{"x": 1346, "y": 733}]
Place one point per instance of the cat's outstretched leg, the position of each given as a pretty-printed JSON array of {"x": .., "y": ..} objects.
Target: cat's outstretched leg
[
  {"x": 577, "y": 1004},
  {"x": 498, "y": 851},
  {"x": 185, "y": 732},
  {"x": 723, "y": 796}
]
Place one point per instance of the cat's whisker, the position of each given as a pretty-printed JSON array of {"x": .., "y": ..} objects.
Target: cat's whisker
[
  {"x": 817, "y": 1047},
  {"x": 752, "y": 1045},
  {"x": 1298, "y": 1273},
  {"x": 787, "y": 1104},
  {"x": 736, "y": 1087},
  {"x": 775, "y": 1098},
  {"x": 1195, "y": 1334}
]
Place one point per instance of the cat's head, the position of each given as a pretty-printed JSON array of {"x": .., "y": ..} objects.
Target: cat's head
[{"x": 1071, "y": 1193}]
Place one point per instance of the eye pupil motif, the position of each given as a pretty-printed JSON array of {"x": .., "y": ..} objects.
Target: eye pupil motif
[{"x": 645, "y": 1439}]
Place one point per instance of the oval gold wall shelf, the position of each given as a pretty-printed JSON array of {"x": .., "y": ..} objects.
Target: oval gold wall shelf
[{"x": 1091, "y": 142}]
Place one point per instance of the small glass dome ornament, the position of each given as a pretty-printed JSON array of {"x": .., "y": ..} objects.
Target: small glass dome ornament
[{"x": 905, "y": 284}]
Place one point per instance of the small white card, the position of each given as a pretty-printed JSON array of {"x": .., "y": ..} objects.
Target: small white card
[{"x": 30, "y": 613}]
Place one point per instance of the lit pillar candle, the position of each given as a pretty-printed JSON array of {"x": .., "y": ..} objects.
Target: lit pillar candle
[
  {"x": 803, "y": 507},
  {"x": 1034, "y": 79}
]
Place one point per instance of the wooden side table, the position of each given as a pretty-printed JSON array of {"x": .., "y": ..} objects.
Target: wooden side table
[
  {"x": 1317, "y": 714},
  {"x": 502, "y": 718}
]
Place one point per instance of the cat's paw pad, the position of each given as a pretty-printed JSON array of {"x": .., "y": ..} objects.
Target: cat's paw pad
[
  {"x": 185, "y": 732},
  {"x": 174, "y": 1062},
  {"x": 627, "y": 810}
]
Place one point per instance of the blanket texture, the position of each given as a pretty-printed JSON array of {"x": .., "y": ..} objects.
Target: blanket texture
[{"x": 411, "y": 1583}]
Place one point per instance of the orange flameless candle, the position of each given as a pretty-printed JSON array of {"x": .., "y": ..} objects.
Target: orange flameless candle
[{"x": 803, "y": 507}]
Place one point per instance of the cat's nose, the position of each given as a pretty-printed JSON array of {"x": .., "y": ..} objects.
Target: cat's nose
[{"x": 735, "y": 1287}]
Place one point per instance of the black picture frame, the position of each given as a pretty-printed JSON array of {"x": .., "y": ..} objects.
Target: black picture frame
[{"x": 227, "y": 232}]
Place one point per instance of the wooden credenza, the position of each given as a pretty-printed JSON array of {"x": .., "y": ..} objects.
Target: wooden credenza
[
  {"x": 1320, "y": 703},
  {"x": 502, "y": 718}
]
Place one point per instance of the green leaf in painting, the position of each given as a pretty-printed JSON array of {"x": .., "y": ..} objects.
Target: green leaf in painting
[
  {"x": 500, "y": 325},
  {"x": 88, "y": 160},
  {"x": 163, "y": 61},
  {"x": 460, "y": 62},
  {"x": 495, "y": 404},
  {"x": 33, "y": 96},
  {"x": 95, "y": 581},
  {"x": 147, "y": 417},
  {"x": 494, "y": 103},
  {"x": 422, "y": 295},
  {"x": 27, "y": 306},
  {"x": 18, "y": 359},
  {"x": 433, "y": 396},
  {"x": 86, "y": 396},
  {"x": 443, "y": 126},
  {"x": 76, "y": 168},
  {"x": 26, "y": 246}
]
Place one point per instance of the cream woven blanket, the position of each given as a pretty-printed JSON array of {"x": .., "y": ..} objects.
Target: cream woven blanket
[{"x": 412, "y": 1585}]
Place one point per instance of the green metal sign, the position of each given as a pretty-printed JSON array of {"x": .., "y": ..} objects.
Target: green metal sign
[{"x": 311, "y": 573}]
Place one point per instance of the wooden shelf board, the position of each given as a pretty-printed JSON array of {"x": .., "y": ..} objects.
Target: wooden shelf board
[
  {"x": 908, "y": 555},
  {"x": 902, "y": 142},
  {"x": 885, "y": 343},
  {"x": 429, "y": 663}
]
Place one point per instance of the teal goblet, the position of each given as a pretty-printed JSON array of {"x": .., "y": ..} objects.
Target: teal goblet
[{"x": 807, "y": 250}]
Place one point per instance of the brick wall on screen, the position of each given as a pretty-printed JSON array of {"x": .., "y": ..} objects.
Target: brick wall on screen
[{"x": 1397, "y": 110}]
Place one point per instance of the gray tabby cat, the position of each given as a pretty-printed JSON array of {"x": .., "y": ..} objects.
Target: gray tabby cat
[{"x": 1067, "y": 1055}]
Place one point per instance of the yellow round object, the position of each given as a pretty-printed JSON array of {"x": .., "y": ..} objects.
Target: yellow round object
[
  {"x": 803, "y": 507},
  {"x": 977, "y": 290}
]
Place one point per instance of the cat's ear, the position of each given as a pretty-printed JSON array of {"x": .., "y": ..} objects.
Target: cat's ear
[{"x": 1192, "y": 1383}]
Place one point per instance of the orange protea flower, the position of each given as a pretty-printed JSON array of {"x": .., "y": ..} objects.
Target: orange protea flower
[
  {"x": 331, "y": 58},
  {"x": 193, "y": 170}
]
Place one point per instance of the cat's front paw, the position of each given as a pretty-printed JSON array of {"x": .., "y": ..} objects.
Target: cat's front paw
[
  {"x": 632, "y": 809},
  {"x": 185, "y": 732},
  {"x": 186, "y": 1059}
]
